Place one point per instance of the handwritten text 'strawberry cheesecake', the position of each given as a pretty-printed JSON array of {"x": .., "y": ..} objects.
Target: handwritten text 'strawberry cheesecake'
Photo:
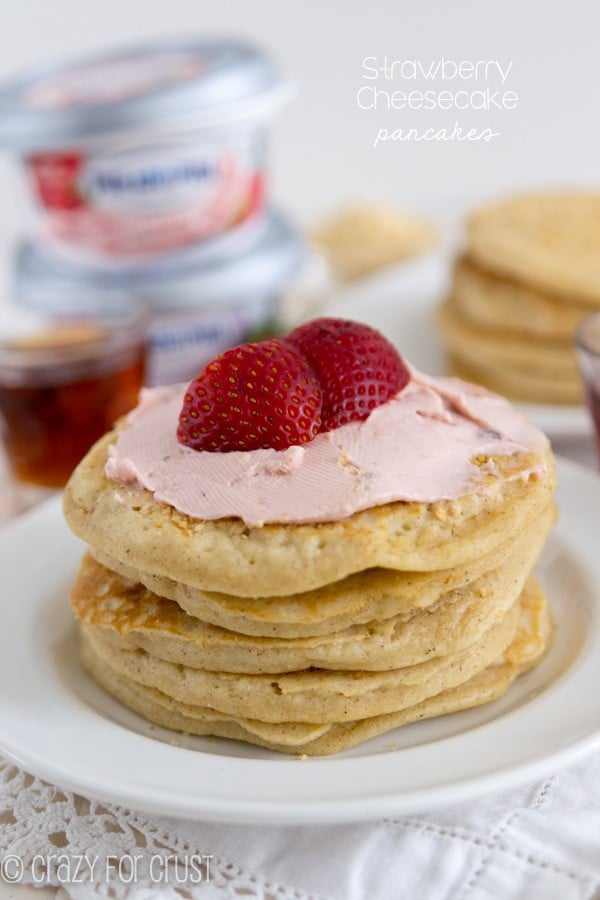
[{"x": 312, "y": 544}]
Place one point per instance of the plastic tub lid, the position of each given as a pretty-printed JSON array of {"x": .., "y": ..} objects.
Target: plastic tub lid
[
  {"x": 197, "y": 83},
  {"x": 183, "y": 280}
]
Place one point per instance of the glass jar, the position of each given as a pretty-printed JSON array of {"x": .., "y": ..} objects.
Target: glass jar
[{"x": 65, "y": 378}]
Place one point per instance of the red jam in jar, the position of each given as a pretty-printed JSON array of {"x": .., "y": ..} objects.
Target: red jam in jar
[{"x": 62, "y": 388}]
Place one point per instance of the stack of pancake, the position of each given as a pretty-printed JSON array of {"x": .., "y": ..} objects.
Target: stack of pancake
[
  {"x": 530, "y": 274},
  {"x": 311, "y": 638}
]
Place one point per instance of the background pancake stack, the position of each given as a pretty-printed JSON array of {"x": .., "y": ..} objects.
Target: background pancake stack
[
  {"x": 529, "y": 275},
  {"x": 320, "y": 645}
]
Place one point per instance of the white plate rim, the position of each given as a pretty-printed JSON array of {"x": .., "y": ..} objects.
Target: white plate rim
[{"x": 112, "y": 764}]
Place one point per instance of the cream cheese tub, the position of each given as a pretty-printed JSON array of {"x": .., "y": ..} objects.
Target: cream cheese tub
[
  {"x": 204, "y": 299},
  {"x": 146, "y": 150}
]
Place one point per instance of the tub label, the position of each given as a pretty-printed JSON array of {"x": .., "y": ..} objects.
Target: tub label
[
  {"x": 159, "y": 180},
  {"x": 143, "y": 201}
]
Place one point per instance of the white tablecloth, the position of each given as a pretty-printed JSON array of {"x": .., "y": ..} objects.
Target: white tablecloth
[{"x": 538, "y": 843}]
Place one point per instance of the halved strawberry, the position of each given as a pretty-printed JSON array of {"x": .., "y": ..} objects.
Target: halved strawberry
[
  {"x": 357, "y": 367},
  {"x": 253, "y": 396}
]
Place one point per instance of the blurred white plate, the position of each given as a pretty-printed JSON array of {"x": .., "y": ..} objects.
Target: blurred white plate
[
  {"x": 57, "y": 723},
  {"x": 400, "y": 302}
]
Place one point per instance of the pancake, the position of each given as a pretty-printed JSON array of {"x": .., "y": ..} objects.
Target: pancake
[
  {"x": 372, "y": 595},
  {"x": 503, "y": 349},
  {"x": 366, "y": 238},
  {"x": 310, "y": 695},
  {"x": 547, "y": 241},
  {"x": 520, "y": 386},
  {"x": 519, "y": 366},
  {"x": 527, "y": 646},
  {"x": 227, "y": 556},
  {"x": 501, "y": 304},
  {"x": 529, "y": 276},
  {"x": 130, "y": 616}
]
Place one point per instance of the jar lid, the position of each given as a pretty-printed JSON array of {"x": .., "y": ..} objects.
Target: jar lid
[
  {"x": 260, "y": 262},
  {"x": 196, "y": 83}
]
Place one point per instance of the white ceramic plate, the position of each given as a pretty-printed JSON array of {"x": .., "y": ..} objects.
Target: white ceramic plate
[
  {"x": 401, "y": 301},
  {"x": 56, "y": 723}
]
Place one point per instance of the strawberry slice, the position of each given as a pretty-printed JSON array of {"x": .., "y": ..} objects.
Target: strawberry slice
[
  {"x": 253, "y": 396},
  {"x": 357, "y": 367},
  {"x": 55, "y": 177}
]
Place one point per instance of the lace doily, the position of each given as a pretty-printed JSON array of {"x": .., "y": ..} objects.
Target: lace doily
[{"x": 52, "y": 837}]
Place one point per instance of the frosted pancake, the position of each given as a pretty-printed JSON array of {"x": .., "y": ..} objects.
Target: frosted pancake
[
  {"x": 529, "y": 643},
  {"x": 275, "y": 560},
  {"x": 501, "y": 303},
  {"x": 130, "y": 616},
  {"x": 311, "y": 695},
  {"x": 372, "y": 595},
  {"x": 547, "y": 241}
]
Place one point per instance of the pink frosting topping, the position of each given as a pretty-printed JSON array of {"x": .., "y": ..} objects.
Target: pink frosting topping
[{"x": 419, "y": 446}]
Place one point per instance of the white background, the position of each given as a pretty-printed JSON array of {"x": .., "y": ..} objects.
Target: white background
[{"x": 322, "y": 150}]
